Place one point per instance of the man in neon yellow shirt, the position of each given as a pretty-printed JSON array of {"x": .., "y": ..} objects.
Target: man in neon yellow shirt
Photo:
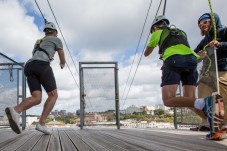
[{"x": 179, "y": 65}]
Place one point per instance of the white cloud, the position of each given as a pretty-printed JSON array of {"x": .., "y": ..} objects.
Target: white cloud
[{"x": 18, "y": 32}]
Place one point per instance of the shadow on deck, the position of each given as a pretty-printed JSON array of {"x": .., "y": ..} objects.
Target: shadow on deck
[{"x": 91, "y": 139}]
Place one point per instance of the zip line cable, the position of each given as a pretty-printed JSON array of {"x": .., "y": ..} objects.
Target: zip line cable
[
  {"x": 158, "y": 8},
  {"x": 62, "y": 35},
  {"x": 64, "y": 41},
  {"x": 41, "y": 12},
  {"x": 144, "y": 50},
  {"x": 68, "y": 50},
  {"x": 136, "y": 52},
  {"x": 164, "y": 9}
]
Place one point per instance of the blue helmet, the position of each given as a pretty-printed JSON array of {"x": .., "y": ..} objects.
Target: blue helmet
[{"x": 206, "y": 15}]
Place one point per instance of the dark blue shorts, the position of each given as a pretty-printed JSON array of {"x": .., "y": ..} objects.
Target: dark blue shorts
[
  {"x": 39, "y": 73},
  {"x": 170, "y": 77}
]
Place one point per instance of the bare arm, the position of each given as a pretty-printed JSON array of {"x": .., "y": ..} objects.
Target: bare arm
[
  {"x": 61, "y": 57},
  {"x": 148, "y": 51}
]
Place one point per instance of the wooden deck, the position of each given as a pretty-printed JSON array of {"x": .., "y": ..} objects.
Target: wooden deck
[{"x": 106, "y": 139}]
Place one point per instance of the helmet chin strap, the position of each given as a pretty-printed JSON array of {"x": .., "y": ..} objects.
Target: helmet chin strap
[{"x": 49, "y": 31}]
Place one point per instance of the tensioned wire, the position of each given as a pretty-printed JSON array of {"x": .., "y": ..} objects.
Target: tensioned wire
[
  {"x": 134, "y": 58},
  {"x": 65, "y": 44},
  {"x": 63, "y": 39},
  {"x": 135, "y": 54},
  {"x": 144, "y": 45}
]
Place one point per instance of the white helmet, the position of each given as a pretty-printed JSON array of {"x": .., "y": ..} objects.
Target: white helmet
[
  {"x": 50, "y": 25},
  {"x": 158, "y": 19}
]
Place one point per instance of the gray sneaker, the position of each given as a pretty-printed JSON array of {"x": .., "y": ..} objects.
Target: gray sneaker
[
  {"x": 43, "y": 129},
  {"x": 14, "y": 119}
]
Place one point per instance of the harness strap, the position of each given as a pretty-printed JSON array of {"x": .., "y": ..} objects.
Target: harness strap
[
  {"x": 174, "y": 37},
  {"x": 38, "y": 48},
  {"x": 43, "y": 50}
]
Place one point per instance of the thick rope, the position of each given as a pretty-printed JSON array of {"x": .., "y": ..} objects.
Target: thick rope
[
  {"x": 213, "y": 21},
  {"x": 206, "y": 73}
]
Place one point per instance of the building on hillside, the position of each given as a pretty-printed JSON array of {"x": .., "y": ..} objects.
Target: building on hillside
[
  {"x": 62, "y": 113},
  {"x": 159, "y": 106},
  {"x": 147, "y": 109},
  {"x": 93, "y": 117},
  {"x": 131, "y": 109},
  {"x": 55, "y": 123},
  {"x": 50, "y": 116},
  {"x": 55, "y": 112},
  {"x": 31, "y": 119},
  {"x": 123, "y": 111}
]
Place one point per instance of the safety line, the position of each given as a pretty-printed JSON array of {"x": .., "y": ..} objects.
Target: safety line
[
  {"x": 65, "y": 43},
  {"x": 136, "y": 52}
]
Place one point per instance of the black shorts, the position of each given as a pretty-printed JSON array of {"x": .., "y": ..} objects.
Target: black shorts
[
  {"x": 170, "y": 77},
  {"x": 39, "y": 73}
]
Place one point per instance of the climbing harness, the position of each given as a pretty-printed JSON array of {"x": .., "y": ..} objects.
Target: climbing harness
[
  {"x": 38, "y": 48},
  {"x": 171, "y": 36}
]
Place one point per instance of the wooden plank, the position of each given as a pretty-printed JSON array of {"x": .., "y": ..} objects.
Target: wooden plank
[
  {"x": 167, "y": 141},
  {"x": 6, "y": 134},
  {"x": 145, "y": 144},
  {"x": 16, "y": 142},
  {"x": 65, "y": 142},
  {"x": 91, "y": 142},
  {"x": 77, "y": 140},
  {"x": 54, "y": 144},
  {"x": 31, "y": 143},
  {"x": 109, "y": 142},
  {"x": 67, "y": 139},
  {"x": 42, "y": 143},
  {"x": 118, "y": 142}
]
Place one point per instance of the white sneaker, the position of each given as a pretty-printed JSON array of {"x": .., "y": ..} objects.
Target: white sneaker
[
  {"x": 43, "y": 129},
  {"x": 14, "y": 119}
]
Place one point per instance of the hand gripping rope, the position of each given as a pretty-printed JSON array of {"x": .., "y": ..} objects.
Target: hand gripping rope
[{"x": 215, "y": 55}]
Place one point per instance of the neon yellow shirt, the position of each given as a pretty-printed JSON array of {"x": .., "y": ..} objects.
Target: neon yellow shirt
[{"x": 178, "y": 49}]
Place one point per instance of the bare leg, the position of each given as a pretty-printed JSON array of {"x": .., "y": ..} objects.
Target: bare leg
[
  {"x": 188, "y": 100},
  {"x": 29, "y": 102},
  {"x": 169, "y": 97},
  {"x": 223, "y": 90},
  {"x": 189, "y": 91},
  {"x": 48, "y": 106}
]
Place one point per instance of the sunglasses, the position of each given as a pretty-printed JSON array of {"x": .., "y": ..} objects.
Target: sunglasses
[{"x": 205, "y": 22}]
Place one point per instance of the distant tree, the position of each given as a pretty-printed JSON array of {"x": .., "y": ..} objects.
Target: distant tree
[{"x": 159, "y": 112}]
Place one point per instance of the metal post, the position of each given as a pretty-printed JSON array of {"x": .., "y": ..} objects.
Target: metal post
[
  {"x": 117, "y": 96},
  {"x": 175, "y": 117},
  {"x": 179, "y": 94},
  {"x": 18, "y": 78},
  {"x": 23, "y": 98},
  {"x": 81, "y": 97},
  {"x": 175, "y": 110}
]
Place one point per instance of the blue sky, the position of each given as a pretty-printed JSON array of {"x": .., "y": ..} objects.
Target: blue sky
[{"x": 100, "y": 30}]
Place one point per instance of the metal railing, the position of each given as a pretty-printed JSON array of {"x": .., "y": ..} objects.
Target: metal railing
[{"x": 12, "y": 85}]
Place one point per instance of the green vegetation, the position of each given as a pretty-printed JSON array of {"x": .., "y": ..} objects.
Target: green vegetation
[
  {"x": 66, "y": 119},
  {"x": 159, "y": 116}
]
